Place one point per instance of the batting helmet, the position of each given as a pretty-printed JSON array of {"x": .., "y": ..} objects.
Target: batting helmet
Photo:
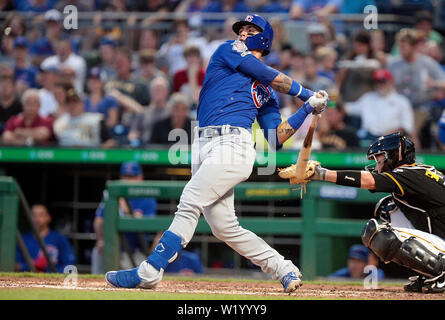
[
  {"x": 389, "y": 146},
  {"x": 260, "y": 41}
]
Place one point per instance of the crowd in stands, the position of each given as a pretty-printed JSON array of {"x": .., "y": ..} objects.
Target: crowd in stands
[{"x": 108, "y": 86}]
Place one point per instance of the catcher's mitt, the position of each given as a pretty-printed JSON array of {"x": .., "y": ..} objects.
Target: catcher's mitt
[{"x": 291, "y": 174}]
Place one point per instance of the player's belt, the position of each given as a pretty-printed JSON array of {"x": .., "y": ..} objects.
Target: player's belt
[{"x": 210, "y": 132}]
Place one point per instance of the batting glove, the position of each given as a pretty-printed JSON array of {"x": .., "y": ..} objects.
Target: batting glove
[{"x": 319, "y": 101}]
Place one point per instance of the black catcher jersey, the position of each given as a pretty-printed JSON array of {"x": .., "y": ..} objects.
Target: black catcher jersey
[{"x": 419, "y": 191}]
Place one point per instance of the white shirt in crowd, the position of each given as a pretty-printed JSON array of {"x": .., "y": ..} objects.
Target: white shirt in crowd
[
  {"x": 382, "y": 114},
  {"x": 79, "y": 131},
  {"x": 48, "y": 103},
  {"x": 74, "y": 62}
]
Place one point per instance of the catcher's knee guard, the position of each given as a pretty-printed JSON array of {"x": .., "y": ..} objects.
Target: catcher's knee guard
[{"x": 410, "y": 253}]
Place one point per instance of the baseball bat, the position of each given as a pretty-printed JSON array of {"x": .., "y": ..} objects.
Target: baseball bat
[{"x": 305, "y": 151}]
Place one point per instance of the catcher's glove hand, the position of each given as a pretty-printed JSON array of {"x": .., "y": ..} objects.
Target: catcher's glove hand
[{"x": 291, "y": 174}]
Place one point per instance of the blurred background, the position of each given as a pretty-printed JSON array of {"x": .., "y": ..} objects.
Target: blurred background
[{"x": 110, "y": 83}]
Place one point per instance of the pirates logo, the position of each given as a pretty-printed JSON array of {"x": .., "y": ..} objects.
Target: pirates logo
[
  {"x": 260, "y": 94},
  {"x": 249, "y": 18}
]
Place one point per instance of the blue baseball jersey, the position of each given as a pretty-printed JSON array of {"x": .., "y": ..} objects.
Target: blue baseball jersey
[
  {"x": 231, "y": 97},
  {"x": 57, "y": 245}
]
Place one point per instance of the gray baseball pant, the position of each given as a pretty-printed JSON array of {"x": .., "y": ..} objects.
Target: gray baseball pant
[{"x": 218, "y": 165}]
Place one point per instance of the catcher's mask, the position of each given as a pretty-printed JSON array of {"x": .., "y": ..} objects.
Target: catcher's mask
[
  {"x": 260, "y": 41},
  {"x": 389, "y": 146}
]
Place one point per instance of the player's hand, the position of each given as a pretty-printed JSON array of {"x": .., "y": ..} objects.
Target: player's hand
[{"x": 319, "y": 101}]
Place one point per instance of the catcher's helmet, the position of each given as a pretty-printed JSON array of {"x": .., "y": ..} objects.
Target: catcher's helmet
[
  {"x": 260, "y": 41},
  {"x": 389, "y": 146}
]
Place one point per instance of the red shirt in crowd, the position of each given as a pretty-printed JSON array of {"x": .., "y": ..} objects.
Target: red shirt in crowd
[
  {"x": 181, "y": 77},
  {"x": 18, "y": 121}
]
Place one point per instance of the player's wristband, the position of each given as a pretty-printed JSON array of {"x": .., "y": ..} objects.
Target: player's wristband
[
  {"x": 299, "y": 91},
  {"x": 296, "y": 120},
  {"x": 349, "y": 178}
]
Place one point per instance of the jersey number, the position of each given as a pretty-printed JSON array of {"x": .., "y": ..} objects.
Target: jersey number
[{"x": 432, "y": 175}]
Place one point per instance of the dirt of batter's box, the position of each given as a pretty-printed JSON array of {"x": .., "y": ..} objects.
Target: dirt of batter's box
[{"x": 308, "y": 290}]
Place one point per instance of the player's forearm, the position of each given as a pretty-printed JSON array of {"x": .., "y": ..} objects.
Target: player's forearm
[
  {"x": 284, "y": 84},
  {"x": 284, "y": 132},
  {"x": 287, "y": 128},
  {"x": 350, "y": 178}
]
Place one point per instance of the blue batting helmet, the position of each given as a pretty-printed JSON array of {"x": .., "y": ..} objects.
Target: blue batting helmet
[{"x": 260, "y": 41}]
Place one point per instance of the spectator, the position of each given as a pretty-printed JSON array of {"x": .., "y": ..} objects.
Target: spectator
[
  {"x": 312, "y": 79},
  {"x": 123, "y": 80},
  {"x": 434, "y": 51},
  {"x": 358, "y": 258},
  {"x": 355, "y": 70},
  {"x": 149, "y": 39},
  {"x": 147, "y": 70},
  {"x": 320, "y": 8},
  {"x": 326, "y": 58},
  {"x": 98, "y": 101},
  {"x": 424, "y": 25},
  {"x": 142, "y": 125},
  {"x": 107, "y": 49},
  {"x": 136, "y": 207},
  {"x": 379, "y": 47},
  {"x": 318, "y": 36},
  {"x": 48, "y": 103},
  {"x": 10, "y": 104},
  {"x": 25, "y": 73},
  {"x": 60, "y": 89},
  {"x": 44, "y": 46},
  {"x": 296, "y": 67},
  {"x": 333, "y": 130},
  {"x": 190, "y": 79},
  {"x": 28, "y": 128},
  {"x": 77, "y": 128},
  {"x": 417, "y": 77},
  {"x": 173, "y": 50},
  {"x": 415, "y": 73},
  {"x": 7, "y": 47},
  {"x": 66, "y": 58},
  {"x": 36, "y": 6},
  {"x": 178, "y": 120},
  {"x": 225, "y": 34},
  {"x": 57, "y": 245},
  {"x": 16, "y": 24},
  {"x": 383, "y": 110}
]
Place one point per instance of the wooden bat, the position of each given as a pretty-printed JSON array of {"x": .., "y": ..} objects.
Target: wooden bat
[{"x": 305, "y": 151}]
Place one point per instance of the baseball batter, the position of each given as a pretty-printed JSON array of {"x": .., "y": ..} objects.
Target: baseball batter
[
  {"x": 238, "y": 88},
  {"x": 413, "y": 230}
]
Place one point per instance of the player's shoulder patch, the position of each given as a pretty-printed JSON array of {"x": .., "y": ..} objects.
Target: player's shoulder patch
[{"x": 240, "y": 47}]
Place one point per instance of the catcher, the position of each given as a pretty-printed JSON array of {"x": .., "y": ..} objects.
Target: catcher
[{"x": 412, "y": 228}]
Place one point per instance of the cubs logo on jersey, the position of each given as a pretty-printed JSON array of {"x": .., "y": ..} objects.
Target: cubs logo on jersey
[{"x": 260, "y": 93}]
